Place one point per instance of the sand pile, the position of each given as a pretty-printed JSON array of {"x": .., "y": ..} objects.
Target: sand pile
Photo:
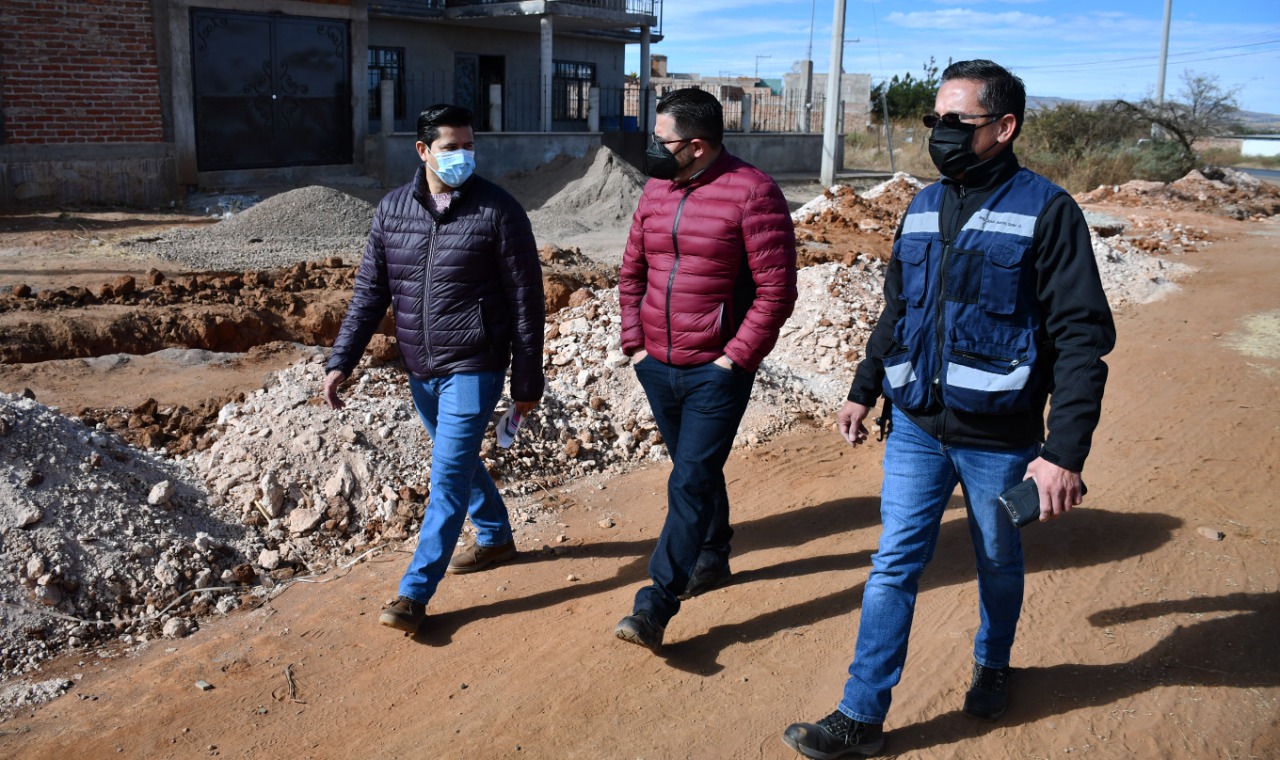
[{"x": 591, "y": 207}]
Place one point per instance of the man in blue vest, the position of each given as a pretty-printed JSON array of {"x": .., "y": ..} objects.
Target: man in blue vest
[{"x": 993, "y": 304}]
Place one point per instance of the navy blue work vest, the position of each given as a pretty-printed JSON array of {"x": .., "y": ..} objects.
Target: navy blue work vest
[{"x": 970, "y": 335}]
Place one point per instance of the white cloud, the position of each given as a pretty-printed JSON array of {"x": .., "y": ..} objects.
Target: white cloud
[{"x": 963, "y": 18}]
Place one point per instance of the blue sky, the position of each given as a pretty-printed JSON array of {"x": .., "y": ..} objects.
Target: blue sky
[{"x": 1083, "y": 49}]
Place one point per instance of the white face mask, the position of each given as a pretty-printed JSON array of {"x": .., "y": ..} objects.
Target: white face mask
[{"x": 456, "y": 166}]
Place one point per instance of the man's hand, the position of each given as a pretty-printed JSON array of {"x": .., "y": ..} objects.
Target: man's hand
[
  {"x": 331, "y": 383},
  {"x": 1060, "y": 489},
  {"x": 524, "y": 407},
  {"x": 851, "y": 416},
  {"x": 725, "y": 362},
  {"x": 639, "y": 356}
]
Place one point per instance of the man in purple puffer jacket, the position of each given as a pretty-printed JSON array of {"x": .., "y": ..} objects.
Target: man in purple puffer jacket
[
  {"x": 707, "y": 281},
  {"x": 454, "y": 257}
]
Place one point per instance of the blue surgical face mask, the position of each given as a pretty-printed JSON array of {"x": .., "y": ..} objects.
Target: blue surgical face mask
[{"x": 456, "y": 166}]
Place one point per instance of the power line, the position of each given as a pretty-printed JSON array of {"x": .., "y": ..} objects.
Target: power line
[{"x": 1151, "y": 58}]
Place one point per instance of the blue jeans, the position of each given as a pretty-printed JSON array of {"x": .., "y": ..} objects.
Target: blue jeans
[
  {"x": 456, "y": 410},
  {"x": 697, "y": 410},
  {"x": 919, "y": 476}
]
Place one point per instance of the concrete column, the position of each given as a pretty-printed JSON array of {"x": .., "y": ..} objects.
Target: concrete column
[
  {"x": 646, "y": 64},
  {"x": 387, "y": 106},
  {"x": 806, "y": 105},
  {"x": 746, "y": 114},
  {"x": 832, "y": 120},
  {"x": 495, "y": 108},
  {"x": 593, "y": 109},
  {"x": 548, "y": 53}
]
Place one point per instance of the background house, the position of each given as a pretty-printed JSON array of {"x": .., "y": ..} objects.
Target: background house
[{"x": 135, "y": 101}]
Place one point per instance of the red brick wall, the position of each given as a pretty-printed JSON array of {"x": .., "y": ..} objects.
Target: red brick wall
[{"x": 77, "y": 71}]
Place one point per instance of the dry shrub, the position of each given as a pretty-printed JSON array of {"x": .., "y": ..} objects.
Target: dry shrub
[{"x": 869, "y": 150}]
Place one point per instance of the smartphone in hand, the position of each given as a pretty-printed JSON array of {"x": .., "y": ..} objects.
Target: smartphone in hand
[{"x": 1022, "y": 502}]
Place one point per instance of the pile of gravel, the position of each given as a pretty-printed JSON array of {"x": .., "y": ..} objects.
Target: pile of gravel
[{"x": 306, "y": 224}]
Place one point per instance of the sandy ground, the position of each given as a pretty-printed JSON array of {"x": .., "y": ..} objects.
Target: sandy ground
[{"x": 1142, "y": 636}]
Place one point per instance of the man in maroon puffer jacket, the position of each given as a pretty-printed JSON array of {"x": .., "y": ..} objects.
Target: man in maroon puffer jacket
[{"x": 707, "y": 280}]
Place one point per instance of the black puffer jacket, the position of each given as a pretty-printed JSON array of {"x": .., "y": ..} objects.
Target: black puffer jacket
[{"x": 465, "y": 288}]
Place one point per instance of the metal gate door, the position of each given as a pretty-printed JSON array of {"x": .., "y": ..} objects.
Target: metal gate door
[{"x": 270, "y": 90}]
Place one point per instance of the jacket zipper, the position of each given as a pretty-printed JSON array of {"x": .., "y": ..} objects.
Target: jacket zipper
[
  {"x": 1013, "y": 363},
  {"x": 671, "y": 278},
  {"x": 940, "y": 296},
  {"x": 426, "y": 297}
]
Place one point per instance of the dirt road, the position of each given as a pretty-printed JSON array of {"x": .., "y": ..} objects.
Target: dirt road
[{"x": 1141, "y": 636}]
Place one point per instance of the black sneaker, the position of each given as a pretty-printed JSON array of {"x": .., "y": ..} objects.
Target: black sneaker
[
  {"x": 404, "y": 614},
  {"x": 706, "y": 578},
  {"x": 988, "y": 695},
  {"x": 640, "y": 628},
  {"x": 836, "y": 735}
]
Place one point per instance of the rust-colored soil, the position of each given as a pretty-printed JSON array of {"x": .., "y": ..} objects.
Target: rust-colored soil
[{"x": 1141, "y": 636}]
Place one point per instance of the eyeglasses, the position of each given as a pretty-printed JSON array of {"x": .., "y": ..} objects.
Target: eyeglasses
[
  {"x": 659, "y": 141},
  {"x": 956, "y": 119}
]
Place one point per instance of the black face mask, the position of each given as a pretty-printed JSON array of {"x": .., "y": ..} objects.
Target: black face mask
[
  {"x": 661, "y": 163},
  {"x": 951, "y": 148}
]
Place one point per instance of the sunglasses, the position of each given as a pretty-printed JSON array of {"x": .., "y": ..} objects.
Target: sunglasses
[{"x": 957, "y": 119}]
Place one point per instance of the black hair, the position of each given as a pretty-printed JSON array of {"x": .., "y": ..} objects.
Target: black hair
[
  {"x": 697, "y": 114},
  {"x": 441, "y": 115},
  {"x": 1002, "y": 92}
]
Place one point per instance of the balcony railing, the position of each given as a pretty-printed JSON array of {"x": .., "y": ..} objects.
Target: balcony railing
[
  {"x": 619, "y": 108},
  {"x": 644, "y": 7},
  {"x": 437, "y": 8}
]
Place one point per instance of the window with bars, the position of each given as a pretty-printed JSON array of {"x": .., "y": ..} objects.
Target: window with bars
[
  {"x": 571, "y": 83},
  {"x": 386, "y": 63}
]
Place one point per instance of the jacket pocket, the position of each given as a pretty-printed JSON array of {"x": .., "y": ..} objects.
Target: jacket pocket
[
  {"x": 494, "y": 319},
  {"x": 913, "y": 256},
  {"x": 1001, "y": 273},
  {"x": 992, "y": 375}
]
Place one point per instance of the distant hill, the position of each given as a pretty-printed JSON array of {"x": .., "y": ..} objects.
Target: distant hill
[{"x": 1251, "y": 120}]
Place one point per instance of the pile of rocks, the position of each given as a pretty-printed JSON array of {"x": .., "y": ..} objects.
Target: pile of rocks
[{"x": 99, "y": 539}]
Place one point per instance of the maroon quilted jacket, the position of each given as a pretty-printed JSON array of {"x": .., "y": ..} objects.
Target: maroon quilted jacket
[{"x": 710, "y": 267}]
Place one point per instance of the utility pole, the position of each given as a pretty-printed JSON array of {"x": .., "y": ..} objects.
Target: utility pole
[
  {"x": 1164, "y": 62},
  {"x": 888, "y": 126},
  {"x": 806, "y": 108},
  {"x": 832, "y": 118}
]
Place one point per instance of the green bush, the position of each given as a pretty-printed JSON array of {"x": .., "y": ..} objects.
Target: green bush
[{"x": 1162, "y": 161}]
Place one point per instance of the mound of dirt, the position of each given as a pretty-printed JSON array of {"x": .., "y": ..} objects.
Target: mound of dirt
[
  {"x": 1224, "y": 192},
  {"x": 842, "y": 225}
]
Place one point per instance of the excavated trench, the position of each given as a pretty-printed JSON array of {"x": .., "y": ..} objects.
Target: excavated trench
[
  {"x": 224, "y": 312},
  {"x": 221, "y": 312}
]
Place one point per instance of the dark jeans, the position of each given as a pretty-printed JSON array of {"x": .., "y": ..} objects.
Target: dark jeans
[{"x": 697, "y": 410}]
